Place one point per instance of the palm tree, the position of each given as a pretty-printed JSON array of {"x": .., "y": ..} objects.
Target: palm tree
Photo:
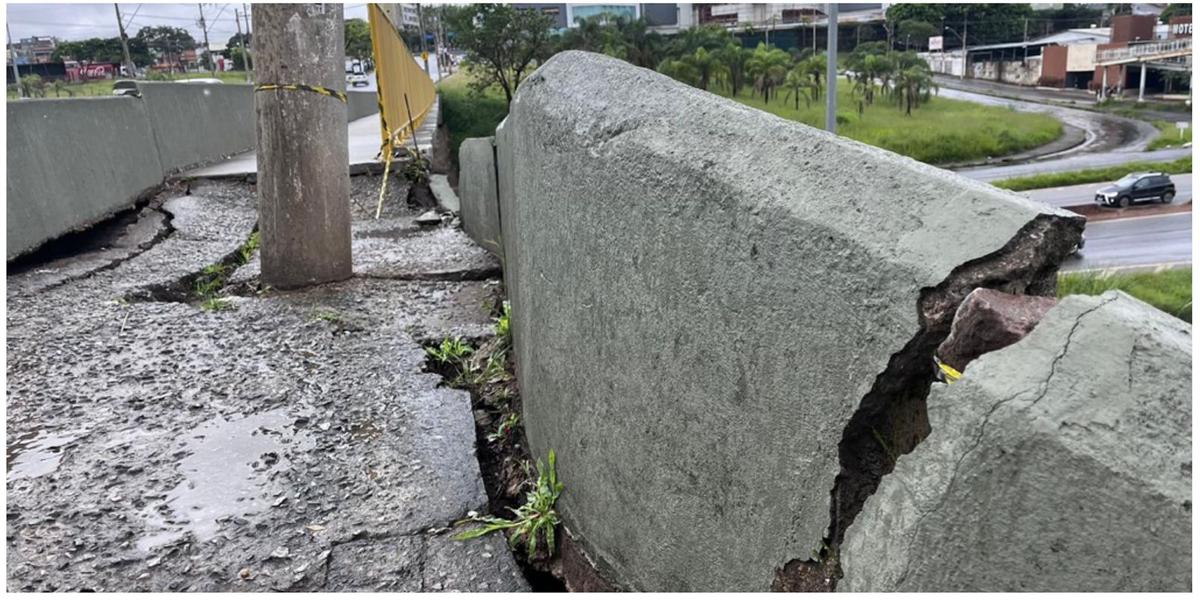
[
  {"x": 914, "y": 85},
  {"x": 707, "y": 65},
  {"x": 814, "y": 68},
  {"x": 768, "y": 66},
  {"x": 680, "y": 70},
  {"x": 799, "y": 84},
  {"x": 734, "y": 58}
]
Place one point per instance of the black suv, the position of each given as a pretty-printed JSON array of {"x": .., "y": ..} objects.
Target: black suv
[{"x": 1137, "y": 187}]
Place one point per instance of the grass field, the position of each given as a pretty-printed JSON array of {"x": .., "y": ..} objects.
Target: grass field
[
  {"x": 1046, "y": 180},
  {"x": 939, "y": 132},
  {"x": 1169, "y": 290},
  {"x": 1168, "y": 136},
  {"x": 468, "y": 115},
  {"x": 104, "y": 87}
]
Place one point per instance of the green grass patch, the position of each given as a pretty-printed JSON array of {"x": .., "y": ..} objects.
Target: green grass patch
[
  {"x": 104, "y": 87},
  {"x": 468, "y": 114},
  {"x": 940, "y": 131},
  {"x": 1113, "y": 173},
  {"x": 1169, "y": 136},
  {"x": 1169, "y": 290}
]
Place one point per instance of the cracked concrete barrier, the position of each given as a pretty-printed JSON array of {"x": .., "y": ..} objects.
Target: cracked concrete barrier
[
  {"x": 723, "y": 318},
  {"x": 479, "y": 205},
  {"x": 1060, "y": 463}
]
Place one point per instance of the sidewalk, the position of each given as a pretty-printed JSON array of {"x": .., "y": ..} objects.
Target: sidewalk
[
  {"x": 365, "y": 137},
  {"x": 291, "y": 442}
]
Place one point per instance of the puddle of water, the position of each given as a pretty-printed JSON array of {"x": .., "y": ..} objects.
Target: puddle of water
[
  {"x": 226, "y": 474},
  {"x": 38, "y": 453}
]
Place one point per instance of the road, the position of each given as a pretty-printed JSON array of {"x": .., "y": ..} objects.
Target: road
[
  {"x": 1072, "y": 195},
  {"x": 1072, "y": 163},
  {"x": 1140, "y": 241}
]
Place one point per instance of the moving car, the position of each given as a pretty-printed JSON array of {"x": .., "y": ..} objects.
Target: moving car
[
  {"x": 357, "y": 79},
  {"x": 126, "y": 87},
  {"x": 1137, "y": 187}
]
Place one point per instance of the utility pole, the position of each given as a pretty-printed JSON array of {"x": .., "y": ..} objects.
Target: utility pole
[
  {"x": 1025, "y": 40},
  {"x": 303, "y": 160},
  {"x": 424, "y": 50},
  {"x": 250, "y": 48},
  {"x": 831, "y": 46},
  {"x": 242, "y": 42},
  {"x": 124, "y": 41},
  {"x": 966, "y": 62},
  {"x": 12, "y": 51},
  {"x": 207, "y": 50}
]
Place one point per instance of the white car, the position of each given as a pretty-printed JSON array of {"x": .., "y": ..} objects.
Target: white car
[{"x": 357, "y": 79}]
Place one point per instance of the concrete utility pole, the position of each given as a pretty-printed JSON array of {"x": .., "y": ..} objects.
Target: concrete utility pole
[
  {"x": 424, "y": 50},
  {"x": 249, "y": 49},
  {"x": 831, "y": 46},
  {"x": 242, "y": 42},
  {"x": 207, "y": 50},
  {"x": 12, "y": 51},
  {"x": 303, "y": 160},
  {"x": 966, "y": 62},
  {"x": 124, "y": 41}
]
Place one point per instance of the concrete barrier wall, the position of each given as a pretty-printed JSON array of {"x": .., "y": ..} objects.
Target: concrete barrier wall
[
  {"x": 721, "y": 318},
  {"x": 195, "y": 124},
  {"x": 478, "y": 199},
  {"x": 72, "y": 163}
]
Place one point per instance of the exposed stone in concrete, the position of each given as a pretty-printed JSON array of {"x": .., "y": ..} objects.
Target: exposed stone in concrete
[
  {"x": 1060, "y": 463},
  {"x": 704, "y": 295},
  {"x": 154, "y": 446},
  {"x": 446, "y": 198},
  {"x": 989, "y": 320},
  {"x": 477, "y": 187}
]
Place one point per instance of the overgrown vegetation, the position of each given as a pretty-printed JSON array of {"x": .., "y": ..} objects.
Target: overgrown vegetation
[
  {"x": 1113, "y": 173},
  {"x": 468, "y": 111},
  {"x": 1169, "y": 290},
  {"x": 1169, "y": 136}
]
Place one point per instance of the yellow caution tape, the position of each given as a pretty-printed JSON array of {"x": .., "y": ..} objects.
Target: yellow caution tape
[
  {"x": 266, "y": 87},
  {"x": 950, "y": 372}
]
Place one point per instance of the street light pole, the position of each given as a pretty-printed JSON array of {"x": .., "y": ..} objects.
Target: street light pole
[
  {"x": 207, "y": 49},
  {"x": 831, "y": 34},
  {"x": 242, "y": 42}
]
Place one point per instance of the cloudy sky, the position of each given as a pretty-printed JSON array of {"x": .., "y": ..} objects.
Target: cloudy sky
[{"x": 80, "y": 21}]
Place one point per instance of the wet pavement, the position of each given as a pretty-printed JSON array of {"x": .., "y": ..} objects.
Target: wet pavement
[{"x": 293, "y": 442}]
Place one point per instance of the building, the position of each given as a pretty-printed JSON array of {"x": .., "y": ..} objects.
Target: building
[{"x": 36, "y": 50}]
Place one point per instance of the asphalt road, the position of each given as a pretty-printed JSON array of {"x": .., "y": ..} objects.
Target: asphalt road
[
  {"x": 1072, "y": 163},
  {"x": 1140, "y": 241},
  {"x": 1072, "y": 195}
]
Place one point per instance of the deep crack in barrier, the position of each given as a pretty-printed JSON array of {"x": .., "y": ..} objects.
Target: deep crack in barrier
[{"x": 711, "y": 305}]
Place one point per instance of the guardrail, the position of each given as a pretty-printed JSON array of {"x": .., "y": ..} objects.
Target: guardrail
[{"x": 1145, "y": 52}]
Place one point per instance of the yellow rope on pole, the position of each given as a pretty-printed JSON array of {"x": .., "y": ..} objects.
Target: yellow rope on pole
[{"x": 266, "y": 87}]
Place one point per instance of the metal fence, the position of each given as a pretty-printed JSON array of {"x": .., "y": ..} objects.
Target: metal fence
[
  {"x": 1148, "y": 51},
  {"x": 406, "y": 93}
]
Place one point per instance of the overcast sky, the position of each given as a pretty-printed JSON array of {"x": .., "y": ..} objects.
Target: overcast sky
[{"x": 81, "y": 21}]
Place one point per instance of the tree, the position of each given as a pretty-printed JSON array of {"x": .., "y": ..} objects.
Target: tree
[
  {"x": 988, "y": 23},
  {"x": 1174, "y": 10},
  {"x": 236, "y": 40},
  {"x": 33, "y": 86},
  {"x": 799, "y": 84},
  {"x": 502, "y": 42},
  {"x": 165, "y": 42},
  {"x": 102, "y": 50},
  {"x": 358, "y": 39},
  {"x": 915, "y": 33},
  {"x": 733, "y": 56},
  {"x": 680, "y": 70},
  {"x": 913, "y": 81},
  {"x": 768, "y": 66}
]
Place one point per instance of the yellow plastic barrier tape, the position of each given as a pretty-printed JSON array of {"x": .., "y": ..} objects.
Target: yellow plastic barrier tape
[{"x": 266, "y": 87}]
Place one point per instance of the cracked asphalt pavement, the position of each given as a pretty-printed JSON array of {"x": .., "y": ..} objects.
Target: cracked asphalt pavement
[{"x": 293, "y": 442}]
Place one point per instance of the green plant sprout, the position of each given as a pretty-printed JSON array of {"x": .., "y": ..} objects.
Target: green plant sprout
[{"x": 536, "y": 518}]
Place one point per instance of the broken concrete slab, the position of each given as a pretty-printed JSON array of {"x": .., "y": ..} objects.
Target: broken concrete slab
[
  {"x": 714, "y": 308},
  {"x": 446, "y": 198},
  {"x": 1060, "y": 463},
  {"x": 477, "y": 187},
  {"x": 989, "y": 320},
  {"x": 156, "y": 446}
]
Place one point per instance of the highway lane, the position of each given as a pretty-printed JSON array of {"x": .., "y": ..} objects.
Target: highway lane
[
  {"x": 1137, "y": 241},
  {"x": 1082, "y": 194}
]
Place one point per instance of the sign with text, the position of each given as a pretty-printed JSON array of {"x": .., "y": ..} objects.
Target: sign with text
[{"x": 935, "y": 43}]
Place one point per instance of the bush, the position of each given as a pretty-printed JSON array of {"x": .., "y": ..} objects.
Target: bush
[{"x": 468, "y": 113}]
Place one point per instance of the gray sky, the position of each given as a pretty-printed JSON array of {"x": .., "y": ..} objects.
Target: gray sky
[{"x": 81, "y": 21}]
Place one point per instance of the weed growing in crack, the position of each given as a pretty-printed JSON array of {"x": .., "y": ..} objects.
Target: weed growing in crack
[
  {"x": 503, "y": 330},
  {"x": 505, "y": 428},
  {"x": 216, "y": 304},
  {"x": 452, "y": 355},
  {"x": 535, "y": 518},
  {"x": 214, "y": 277}
]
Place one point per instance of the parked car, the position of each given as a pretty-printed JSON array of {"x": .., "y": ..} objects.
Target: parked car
[
  {"x": 126, "y": 87},
  {"x": 1137, "y": 187},
  {"x": 357, "y": 79}
]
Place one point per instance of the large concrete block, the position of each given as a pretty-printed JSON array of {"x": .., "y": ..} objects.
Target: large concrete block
[
  {"x": 478, "y": 194},
  {"x": 196, "y": 124},
  {"x": 1060, "y": 463},
  {"x": 73, "y": 162},
  {"x": 718, "y": 314}
]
